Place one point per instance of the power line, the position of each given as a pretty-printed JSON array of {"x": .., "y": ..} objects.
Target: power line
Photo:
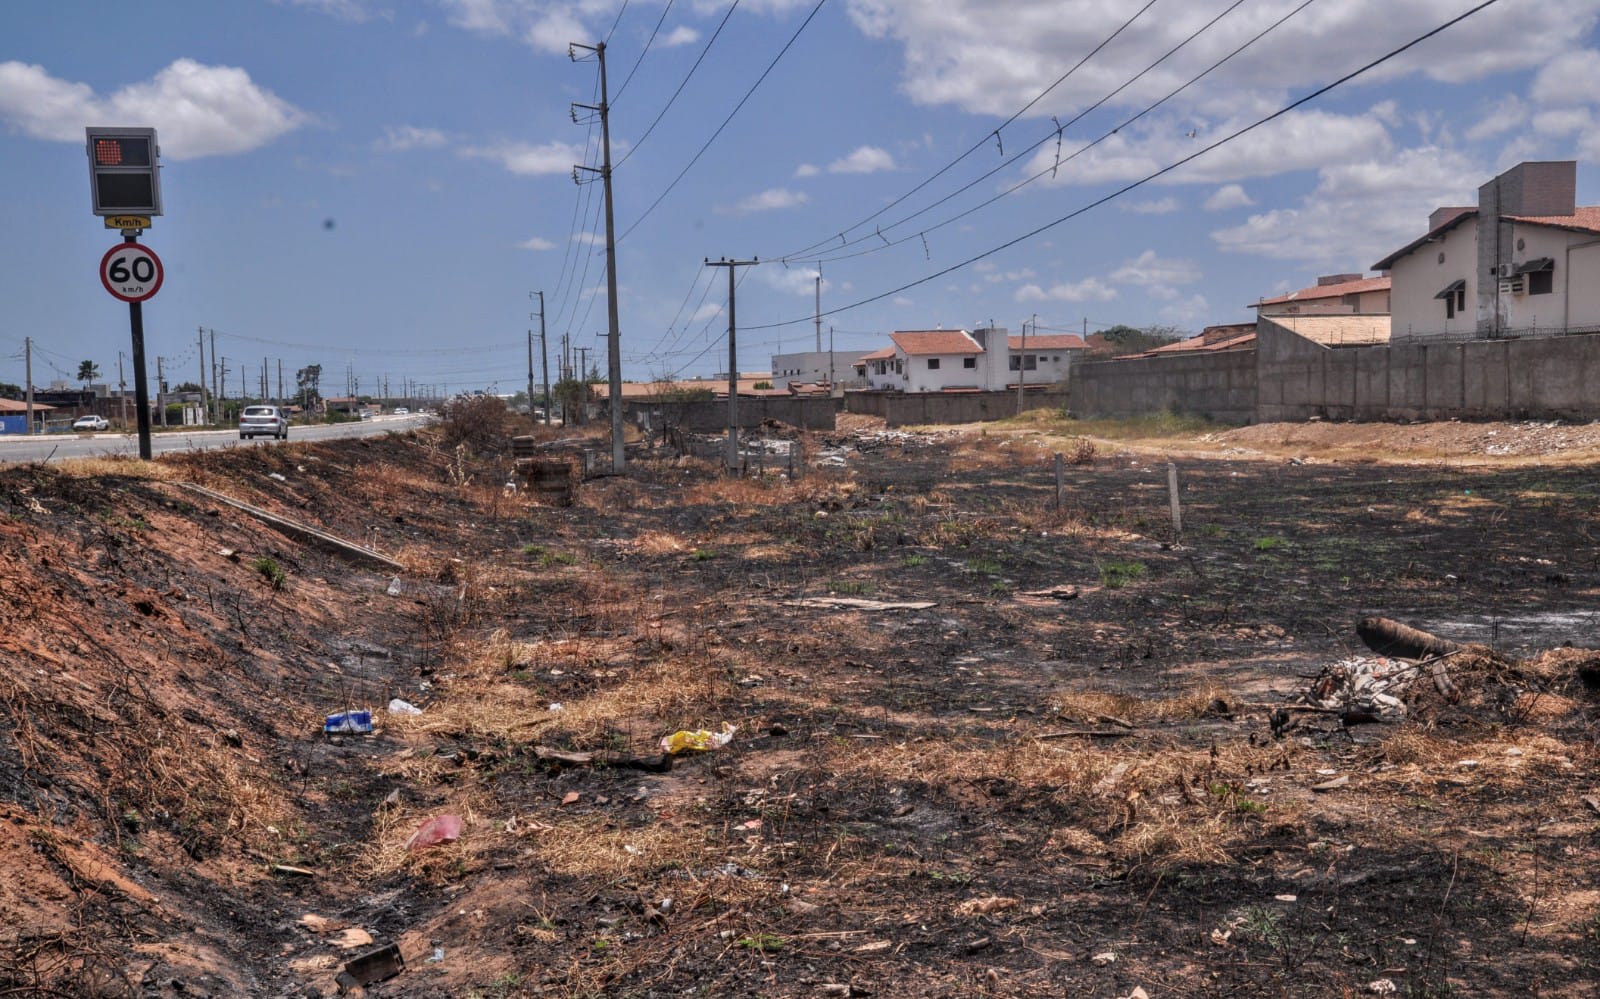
[
  {"x": 1057, "y": 132},
  {"x": 618, "y": 21},
  {"x": 1114, "y": 130},
  {"x": 748, "y": 94},
  {"x": 982, "y": 143},
  {"x": 642, "y": 52},
  {"x": 1152, "y": 176},
  {"x": 683, "y": 83}
]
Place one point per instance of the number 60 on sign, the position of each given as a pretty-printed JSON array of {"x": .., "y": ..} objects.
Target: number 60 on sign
[{"x": 131, "y": 272}]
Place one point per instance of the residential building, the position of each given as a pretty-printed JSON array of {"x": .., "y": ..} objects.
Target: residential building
[
  {"x": 837, "y": 367},
  {"x": 984, "y": 360},
  {"x": 1332, "y": 294},
  {"x": 1524, "y": 261}
]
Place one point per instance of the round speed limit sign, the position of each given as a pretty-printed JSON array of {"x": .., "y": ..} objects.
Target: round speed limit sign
[{"x": 131, "y": 272}]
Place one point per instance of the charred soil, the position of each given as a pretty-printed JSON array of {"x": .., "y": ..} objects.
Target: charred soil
[{"x": 990, "y": 739}]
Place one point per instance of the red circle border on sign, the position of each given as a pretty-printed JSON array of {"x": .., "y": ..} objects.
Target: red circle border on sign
[{"x": 161, "y": 273}]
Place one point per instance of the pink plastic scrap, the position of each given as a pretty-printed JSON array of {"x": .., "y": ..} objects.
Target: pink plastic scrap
[{"x": 439, "y": 829}]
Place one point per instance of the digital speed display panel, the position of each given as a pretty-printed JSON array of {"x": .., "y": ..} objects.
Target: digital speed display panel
[{"x": 124, "y": 176}]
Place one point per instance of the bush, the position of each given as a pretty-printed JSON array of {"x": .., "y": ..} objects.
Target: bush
[{"x": 478, "y": 421}]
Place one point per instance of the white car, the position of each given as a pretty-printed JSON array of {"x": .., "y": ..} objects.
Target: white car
[
  {"x": 263, "y": 421},
  {"x": 402, "y": 411},
  {"x": 91, "y": 423}
]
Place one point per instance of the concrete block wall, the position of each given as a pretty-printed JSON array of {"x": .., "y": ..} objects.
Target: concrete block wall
[
  {"x": 914, "y": 409},
  {"x": 1221, "y": 386},
  {"x": 1556, "y": 377},
  {"x": 708, "y": 417}
]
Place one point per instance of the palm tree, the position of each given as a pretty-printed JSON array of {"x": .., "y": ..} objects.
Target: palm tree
[{"x": 88, "y": 371}]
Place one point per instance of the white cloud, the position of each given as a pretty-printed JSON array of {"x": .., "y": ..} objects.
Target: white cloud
[
  {"x": 772, "y": 199},
  {"x": 1360, "y": 212},
  {"x": 397, "y": 138},
  {"x": 970, "y": 55},
  {"x": 348, "y": 10},
  {"x": 1090, "y": 289},
  {"x": 705, "y": 313},
  {"x": 1190, "y": 311},
  {"x": 793, "y": 280},
  {"x": 806, "y": 170},
  {"x": 1161, "y": 206},
  {"x": 1569, "y": 79},
  {"x": 529, "y": 160},
  {"x": 1156, "y": 274},
  {"x": 1009, "y": 277},
  {"x": 902, "y": 301},
  {"x": 866, "y": 159},
  {"x": 197, "y": 110},
  {"x": 681, "y": 35},
  {"x": 1563, "y": 122},
  {"x": 1300, "y": 140},
  {"x": 1228, "y": 196},
  {"x": 536, "y": 243},
  {"x": 1507, "y": 115}
]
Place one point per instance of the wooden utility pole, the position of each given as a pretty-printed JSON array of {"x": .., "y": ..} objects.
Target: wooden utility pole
[
  {"x": 733, "y": 360},
  {"x": 613, "y": 347}
]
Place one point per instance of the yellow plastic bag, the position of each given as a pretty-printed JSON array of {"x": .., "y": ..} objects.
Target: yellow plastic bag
[{"x": 699, "y": 740}]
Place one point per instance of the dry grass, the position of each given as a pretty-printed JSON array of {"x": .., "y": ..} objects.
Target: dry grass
[
  {"x": 1096, "y": 705},
  {"x": 117, "y": 467}
]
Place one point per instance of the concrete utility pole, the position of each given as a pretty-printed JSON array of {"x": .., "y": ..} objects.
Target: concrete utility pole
[
  {"x": 614, "y": 348},
  {"x": 733, "y": 361},
  {"x": 216, "y": 382},
  {"x": 819, "y": 309},
  {"x": 1022, "y": 360},
  {"x": 161, "y": 391},
  {"x": 280, "y": 381},
  {"x": 205, "y": 405},
  {"x": 27, "y": 376},
  {"x": 544, "y": 356}
]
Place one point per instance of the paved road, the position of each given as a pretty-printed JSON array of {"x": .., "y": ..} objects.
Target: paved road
[{"x": 56, "y": 447}]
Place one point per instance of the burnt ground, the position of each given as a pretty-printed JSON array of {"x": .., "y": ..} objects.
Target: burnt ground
[{"x": 1061, "y": 778}]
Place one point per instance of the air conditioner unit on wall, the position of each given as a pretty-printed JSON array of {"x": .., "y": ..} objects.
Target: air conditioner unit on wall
[{"x": 1512, "y": 286}]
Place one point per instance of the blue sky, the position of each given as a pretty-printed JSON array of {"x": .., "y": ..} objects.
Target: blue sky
[{"x": 378, "y": 185}]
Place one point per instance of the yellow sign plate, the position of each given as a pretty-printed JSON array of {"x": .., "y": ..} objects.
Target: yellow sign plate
[{"x": 127, "y": 221}]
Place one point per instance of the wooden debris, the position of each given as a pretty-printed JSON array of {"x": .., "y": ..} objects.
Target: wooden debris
[
  {"x": 656, "y": 764},
  {"x": 1084, "y": 733},
  {"x": 858, "y": 603}
]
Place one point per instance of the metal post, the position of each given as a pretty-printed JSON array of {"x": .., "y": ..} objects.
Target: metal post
[
  {"x": 27, "y": 369},
  {"x": 141, "y": 386},
  {"x": 1172, "y": 490},
  {"x": 1061, "y": 482}
]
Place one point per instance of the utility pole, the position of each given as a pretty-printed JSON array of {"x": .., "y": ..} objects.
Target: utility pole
[
  {"x": 733, "y": 361},
  {"x": 122, "y": 393},
  {"x": 27, "y": 376},
  {"x": 205, "y": 404},
  {"x": 544, "y": 357},
  {"x": 280, "y": 381},
  {"x": 819, "y": 308},
  {"x": 1022, "y": 361},
  {"x": 614, "y": 348},
  {"x": 161, "y": 391},
  {"x": 831, "y": 381},
  {"x": 216, "y": 383}
]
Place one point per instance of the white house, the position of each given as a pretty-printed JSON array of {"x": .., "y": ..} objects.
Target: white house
[
  {"x": 959, "y": 361},
  {"x": 1525, "y": 260},
  {"x": 838, "y": 367}
]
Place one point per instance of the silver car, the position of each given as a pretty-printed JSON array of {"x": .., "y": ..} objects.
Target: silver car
[{"x": 263, "y": 421}]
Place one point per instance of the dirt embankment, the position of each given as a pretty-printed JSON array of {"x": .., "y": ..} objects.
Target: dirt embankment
[{"x": 986, "y": 742}]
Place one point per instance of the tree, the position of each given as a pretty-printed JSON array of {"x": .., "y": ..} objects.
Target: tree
[
  {"x": 1132, "y": 340},
  {"x": 10, "y": 391},
  {"x": 88, "y": 371},
  {"x": 308, "y": 381}
]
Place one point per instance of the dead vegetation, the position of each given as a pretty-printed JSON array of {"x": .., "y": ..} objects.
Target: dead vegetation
[{"x": 1036, "y": 749}]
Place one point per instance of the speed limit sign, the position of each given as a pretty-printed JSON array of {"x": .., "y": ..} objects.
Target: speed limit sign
[{"x": 131, "y": 272}]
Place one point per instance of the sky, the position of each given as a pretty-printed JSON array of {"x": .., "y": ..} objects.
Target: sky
[{"x": 381, "y": 187}]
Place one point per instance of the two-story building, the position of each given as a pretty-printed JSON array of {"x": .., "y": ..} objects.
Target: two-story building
[{"x": 1524, "y": 261}]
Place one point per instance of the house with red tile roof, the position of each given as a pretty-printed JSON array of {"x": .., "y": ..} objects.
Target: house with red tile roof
[
  {"x": 1524, "y": 261},
  {"x": 983, "y": 360},
  {"x": 1332, "y": 294}
]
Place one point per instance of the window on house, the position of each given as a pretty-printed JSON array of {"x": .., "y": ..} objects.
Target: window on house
[
  {"x": 1454, "y": 296},
  {"x": 969, "y": 362},
  {"x": 1541, "y": 282},
  {"x": 933, "y": 364},
  {"x": 1024, "y": 362}
]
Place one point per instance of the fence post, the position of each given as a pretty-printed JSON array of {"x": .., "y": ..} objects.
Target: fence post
[
  {"x": 1061, "y": 482},
  {"x": 1172, "y": 490}
]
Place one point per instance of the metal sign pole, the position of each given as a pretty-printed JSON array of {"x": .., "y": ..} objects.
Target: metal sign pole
[{"x": 141, "y": 387}]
